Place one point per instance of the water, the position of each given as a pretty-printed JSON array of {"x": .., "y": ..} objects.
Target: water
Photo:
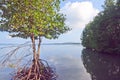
[
  {"x": 67, "y": 60},
  {"x": 74, "y": 63}
]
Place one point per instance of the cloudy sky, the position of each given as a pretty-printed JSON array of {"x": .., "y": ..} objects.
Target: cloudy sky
[{"x": 78, "y": 14}]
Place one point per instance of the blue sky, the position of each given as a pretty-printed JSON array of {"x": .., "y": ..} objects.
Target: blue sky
[{"x": 78, "y": 14}]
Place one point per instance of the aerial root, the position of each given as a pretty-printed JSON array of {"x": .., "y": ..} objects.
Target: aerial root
[{"x": 37, "y": 71}]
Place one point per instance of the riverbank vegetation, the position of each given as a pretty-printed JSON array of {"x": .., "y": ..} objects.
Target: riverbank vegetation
[{"x": 103, "y": 33}]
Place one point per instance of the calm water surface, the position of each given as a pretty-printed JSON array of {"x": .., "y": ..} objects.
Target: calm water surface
[
  {"x": 72, "y": 62},
  {"x": 67, "y": 60}
]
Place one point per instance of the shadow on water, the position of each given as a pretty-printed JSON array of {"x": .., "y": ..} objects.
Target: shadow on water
[{"x": 101, "y": 66}]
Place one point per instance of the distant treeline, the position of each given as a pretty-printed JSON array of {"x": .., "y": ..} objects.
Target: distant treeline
[{"x": 44, "y": 44}]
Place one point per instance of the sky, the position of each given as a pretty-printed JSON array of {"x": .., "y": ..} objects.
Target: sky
[{"x": 78, "y": 14}]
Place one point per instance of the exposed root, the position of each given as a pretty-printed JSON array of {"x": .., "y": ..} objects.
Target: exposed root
[{"x": 37, "y": 71}]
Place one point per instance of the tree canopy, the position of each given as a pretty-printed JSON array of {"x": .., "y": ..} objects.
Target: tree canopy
[
  {"x": 24, "y": 18},
  {"x": 103, "y": 33}
]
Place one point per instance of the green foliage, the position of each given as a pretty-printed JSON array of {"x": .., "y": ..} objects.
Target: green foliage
[
  {"x": 33, "y": 17},
  {"x": 103, "y": 33},
  {"x": 109, "y": 3}
]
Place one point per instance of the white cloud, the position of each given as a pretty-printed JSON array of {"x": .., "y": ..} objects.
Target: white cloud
[{"x": 79, "y": 13}]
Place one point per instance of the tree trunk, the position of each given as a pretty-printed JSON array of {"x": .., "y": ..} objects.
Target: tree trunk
[
  {"x": 33, "y": 47},
  {"x": 37, "y": 70},
  {"x": 38, "y": 50},
  {"x": 36, "y": 53}
]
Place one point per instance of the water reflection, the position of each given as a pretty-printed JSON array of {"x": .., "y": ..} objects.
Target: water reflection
[
  {"x": 101, "y": 66},
  {"x": 67, "y": 61}
]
